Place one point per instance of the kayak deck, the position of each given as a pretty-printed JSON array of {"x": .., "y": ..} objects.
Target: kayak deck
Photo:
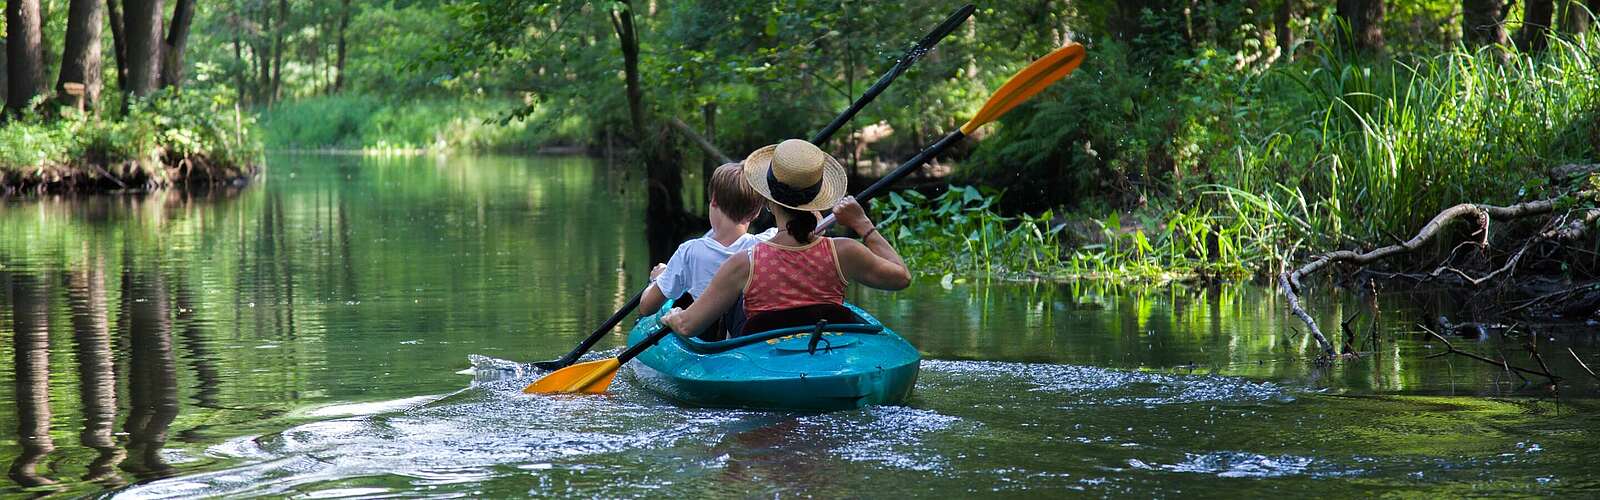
[{"x": 853, "y": 365}]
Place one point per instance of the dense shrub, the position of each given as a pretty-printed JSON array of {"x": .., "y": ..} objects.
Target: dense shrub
[{"x": 164, "y": 127}]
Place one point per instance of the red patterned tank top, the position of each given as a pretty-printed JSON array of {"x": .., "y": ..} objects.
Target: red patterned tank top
[{"x": 785, "y": 277}]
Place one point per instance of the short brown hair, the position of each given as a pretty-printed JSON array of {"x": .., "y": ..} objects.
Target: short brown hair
[{"x": 732, "y": 193}]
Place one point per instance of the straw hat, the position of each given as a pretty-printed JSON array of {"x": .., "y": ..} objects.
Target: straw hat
[{"x": 796, "y": 174}]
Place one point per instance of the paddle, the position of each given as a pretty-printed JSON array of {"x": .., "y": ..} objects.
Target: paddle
[
  {"x": 595, "y": 376},
  {"x": 906, "y": 60}
]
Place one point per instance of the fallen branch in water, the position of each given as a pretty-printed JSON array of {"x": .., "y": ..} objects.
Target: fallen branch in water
[
  {"x": 1582, "y": 364},
  {"x": 1289, "y": 282},
  {"x": 1451, "y": 349},
  {"x": 1565, "y": 227}
]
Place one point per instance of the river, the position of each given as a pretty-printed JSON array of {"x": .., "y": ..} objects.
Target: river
[{"x": 310, "y": 335}]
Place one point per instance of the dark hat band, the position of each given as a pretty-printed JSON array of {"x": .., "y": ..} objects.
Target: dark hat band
[{"x": 789, "y": 195}]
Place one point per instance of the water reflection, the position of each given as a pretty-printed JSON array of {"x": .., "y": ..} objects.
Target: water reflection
[
  {"x": 30, "y": 324},
  {"x": 97, "y": 378},
  {"x": 153, "y": 382}
]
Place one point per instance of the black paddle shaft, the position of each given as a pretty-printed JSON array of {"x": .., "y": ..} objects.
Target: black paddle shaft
[
  {"x": 899, "y": 172},
  {"x": 915, "y": 52},
  {"x": 595, "y": 337},
  {"x": 654, "y": 337},
  {"x": 906, "y": 60}
]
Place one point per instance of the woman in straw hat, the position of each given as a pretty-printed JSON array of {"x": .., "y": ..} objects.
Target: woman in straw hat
[{"x": 795, "y": 278}]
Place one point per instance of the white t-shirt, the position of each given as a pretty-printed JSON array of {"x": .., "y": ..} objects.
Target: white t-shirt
[{"x": 694, "y": 264}]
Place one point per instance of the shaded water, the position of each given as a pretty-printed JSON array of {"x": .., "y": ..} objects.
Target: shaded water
[{"x": 305, "y": 337}]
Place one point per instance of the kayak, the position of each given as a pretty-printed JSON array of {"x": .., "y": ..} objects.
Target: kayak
[{"x": 821, "y": 367}]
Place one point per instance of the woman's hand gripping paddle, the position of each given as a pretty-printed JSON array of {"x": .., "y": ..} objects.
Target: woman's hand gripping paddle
[
  {"x": 906, "y": 60},
  {"x": 595, "y": 376}
]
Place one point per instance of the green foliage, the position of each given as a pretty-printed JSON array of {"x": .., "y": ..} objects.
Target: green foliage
[
  {"x": 1354, "y": 148},
  {"x": 166, "y": 127},
  {"x": 369, "y": 122}
]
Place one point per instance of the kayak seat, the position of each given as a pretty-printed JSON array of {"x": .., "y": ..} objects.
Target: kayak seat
[
  {"x": 840, "y": 320},
  {"x": 799, "y": 316}
]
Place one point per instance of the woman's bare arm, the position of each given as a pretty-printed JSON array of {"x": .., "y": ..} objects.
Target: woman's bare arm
[
  {"x": 874, "y": 263},
  {"x": 723, "y": 291}
]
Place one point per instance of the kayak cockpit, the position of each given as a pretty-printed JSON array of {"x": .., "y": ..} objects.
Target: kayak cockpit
[{"x": 703, "y": 347}]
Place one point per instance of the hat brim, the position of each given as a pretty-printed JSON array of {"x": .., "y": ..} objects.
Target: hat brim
[{"x": 835, "y": 182}]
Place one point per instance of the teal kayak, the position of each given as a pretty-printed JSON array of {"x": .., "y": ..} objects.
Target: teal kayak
[{"x": 852, "y": 365}]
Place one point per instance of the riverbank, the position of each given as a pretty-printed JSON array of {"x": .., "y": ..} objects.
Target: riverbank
[
  {"x": 1253, "y": 166},
  {"x": 412, "y": 126},
  {"x": 171, "y": 139}
]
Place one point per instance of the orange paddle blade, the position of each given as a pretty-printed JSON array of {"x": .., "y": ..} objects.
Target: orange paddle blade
[
  {"x": 588, "y": 378},
  {"x": 1031, "y": 80}
]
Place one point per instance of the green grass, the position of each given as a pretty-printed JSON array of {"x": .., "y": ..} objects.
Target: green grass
[
  {"x": 385, "y": 124},
  {"x": 1380, "y": 149}
]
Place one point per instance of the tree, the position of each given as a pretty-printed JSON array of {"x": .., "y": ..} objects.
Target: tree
[
  {"x": 1281, "y": 29},
  {"x": 1482, "y": 22},
  {"x": 1577, "y": 18},
  {"x": 1538, "y": 17},
  {"x": 142, "y": 31},
  {"x": 119, "y": 42},
  {"x": 80, "y": 53},
  {"x": 1365, "y": 18},
  {"x": 663, "y": 173},
  {"x": 24, "y": 54},
  {"x": 277, "y": 51},
  {"x": 177, "y": 40},
  {"x": 344, "y": 25}
]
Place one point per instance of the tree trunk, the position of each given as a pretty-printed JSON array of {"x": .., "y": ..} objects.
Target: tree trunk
[
  {"x": 1574, "y": 19},
  {"x": 240, "y": 69},
  {"x": 709, "y": 165},
  {"x": 277, "y": 49},
  {"x": 1365, "y": 18},
  {"x": 80, "y": 55},
  {"x": 177, "y": 41},
  {"x": 664, "y": 206},
  {"x": 143, "y": 33},
  {"x": 338, "y": 65},
  {"x": 24, "y": 54},
  {"x": 119, "y": 43},
  {"x": 1482, "y": 22},
  {"x": 1281, "y": 29},
  {"x": 1537, "y": 18},
  {"x": 262, "y": 52}
]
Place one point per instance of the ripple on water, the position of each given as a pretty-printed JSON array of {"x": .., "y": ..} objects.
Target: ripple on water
[
  {"x": 490, "y": 429},
  {"x": 1243, "y": 464},
  {"x": 639, "y": 442},
  {"x": 1101, "y": 386}
]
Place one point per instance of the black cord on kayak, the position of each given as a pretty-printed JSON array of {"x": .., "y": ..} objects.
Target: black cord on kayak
[{"x": 816, "y": 336}]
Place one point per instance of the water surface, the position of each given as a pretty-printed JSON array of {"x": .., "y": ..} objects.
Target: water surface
[{"x": 304, "y": 337}]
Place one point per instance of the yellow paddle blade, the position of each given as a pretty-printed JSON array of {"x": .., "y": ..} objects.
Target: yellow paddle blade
[
  {"x": 587, "y": 378},
  {"x": 1031, "y": 80}
]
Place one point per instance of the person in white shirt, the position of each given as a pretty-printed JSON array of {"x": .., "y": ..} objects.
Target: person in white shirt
[{"x": 685, "y": 276}]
